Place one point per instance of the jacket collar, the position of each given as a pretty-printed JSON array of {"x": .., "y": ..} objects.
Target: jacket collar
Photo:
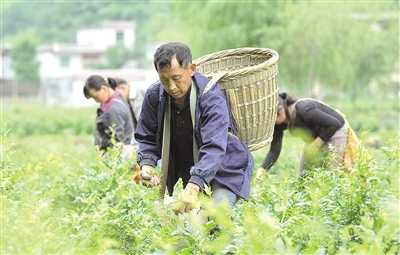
[{"x": 107, "y": 104}]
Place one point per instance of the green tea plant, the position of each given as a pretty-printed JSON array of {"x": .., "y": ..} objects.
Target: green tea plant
[
  {"x": 66, "y": 198},
  {"x": 34, "y": 119}
]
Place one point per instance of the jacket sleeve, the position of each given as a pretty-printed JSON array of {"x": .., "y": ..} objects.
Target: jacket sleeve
[
  {"x": 275, "y": 148},
  {"x": 146, "y": 132},
  {"x": 101, "y": 137},
  {"x": 116, "y": 122},
  {"x": 214, "y": 124},
  {"x": 108, "y": 124}
]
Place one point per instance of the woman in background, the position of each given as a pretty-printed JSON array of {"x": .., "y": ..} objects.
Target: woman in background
[
  {"x": 134, "y": 97},
  {"x": 114, "y": 118},
  {"x": 323, "y": 128}
]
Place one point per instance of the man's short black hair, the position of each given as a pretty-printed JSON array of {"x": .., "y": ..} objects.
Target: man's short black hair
[{"x": 166, "y": 52}]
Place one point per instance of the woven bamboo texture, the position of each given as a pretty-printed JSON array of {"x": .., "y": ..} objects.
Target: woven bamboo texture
[{"x": 248, "y": 76}]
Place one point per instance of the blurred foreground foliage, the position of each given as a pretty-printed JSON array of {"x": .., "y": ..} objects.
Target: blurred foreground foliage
[{"x": 59, "y": 196}]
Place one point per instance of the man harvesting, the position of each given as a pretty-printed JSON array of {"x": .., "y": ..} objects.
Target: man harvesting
[{"x": 192, "y": 132}]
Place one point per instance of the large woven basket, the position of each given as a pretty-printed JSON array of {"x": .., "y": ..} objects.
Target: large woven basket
[{"x": 248, "y": 76}]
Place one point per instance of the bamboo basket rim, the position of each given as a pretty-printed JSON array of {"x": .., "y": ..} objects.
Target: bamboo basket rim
[{"x": 237, "y": 52}]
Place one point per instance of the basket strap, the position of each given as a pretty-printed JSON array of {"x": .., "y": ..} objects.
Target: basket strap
[
  {"x": 165, "y": 147},
  {"x": 193, "y": 102},
  {"x": 213, "y": 81},
  {"x": 167, "y": 138}
]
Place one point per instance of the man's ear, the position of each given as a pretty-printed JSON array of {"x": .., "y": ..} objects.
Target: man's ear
[{"x": 192, "y": 69}]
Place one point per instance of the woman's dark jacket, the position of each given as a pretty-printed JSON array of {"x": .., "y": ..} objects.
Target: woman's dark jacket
[
  {"x": 313, "y": 119},
  {"x": 113, "y": 116}
]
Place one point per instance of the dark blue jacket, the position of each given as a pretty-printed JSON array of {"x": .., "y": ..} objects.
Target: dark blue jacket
[{"x": 223, "y": 158}]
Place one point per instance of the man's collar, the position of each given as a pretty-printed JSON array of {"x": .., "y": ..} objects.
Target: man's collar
[{"x": 186, "y": 101}]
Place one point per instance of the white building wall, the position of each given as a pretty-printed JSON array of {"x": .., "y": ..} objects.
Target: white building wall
[
  {"x": 75, "y": 64},
  {"x": 97, "y": 38},
  {"x": 104, "y": 38},
  {"x": 6, "y": 71},
  {"x": 76, "y": 98},
  {"x": 68, "y": 90},
  {"x": 129, "y": 38},
  {"x": 51, "y": 65},
  {"x": 48, "y": 64}
]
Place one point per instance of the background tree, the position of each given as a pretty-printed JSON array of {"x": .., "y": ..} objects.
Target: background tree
[
  {"x": 24, "y": 61},
  {"x": 344, "y": 46},
  {"x": 341, "y": 46},
  {"x": 117, "y": 56}
]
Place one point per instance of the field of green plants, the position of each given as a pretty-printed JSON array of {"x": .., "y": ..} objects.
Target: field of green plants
[{"x": 58, "y": 196}]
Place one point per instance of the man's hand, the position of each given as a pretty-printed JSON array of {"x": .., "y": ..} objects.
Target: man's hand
[
  {"x": 187, "y": 200},
  {"x": 145, "y": 176},
  {"x": 148, "y": 177},
  {"x": 136, "y": 173}
]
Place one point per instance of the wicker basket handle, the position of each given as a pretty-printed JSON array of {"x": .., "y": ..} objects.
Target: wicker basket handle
[{"x": 213, "y": 81}]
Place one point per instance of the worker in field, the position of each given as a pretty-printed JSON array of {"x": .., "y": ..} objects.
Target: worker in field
[
  {"x": 133, "y": 97},
  {"x": 323, "y": 128},
  {"x": 191, "y": 132},
  {"x": 113, "y": 118}
]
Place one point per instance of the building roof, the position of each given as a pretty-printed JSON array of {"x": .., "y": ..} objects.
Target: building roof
[
  {"x": 127, "y": 74},
  {"x": 70, "y": 49},
  {"x": 114, "y": 24}
]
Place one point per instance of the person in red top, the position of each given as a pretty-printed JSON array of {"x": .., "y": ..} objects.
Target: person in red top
[
  {"x": 113, "y": 115},
  {"x": 133, "y": 98}
]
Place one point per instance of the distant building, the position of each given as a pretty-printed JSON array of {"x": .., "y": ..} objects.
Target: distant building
[
  {"x": 67, "y": 89},
  {"x": 7, "y": 76},
  {"x": 108, "y": 35},
  {"x": 65, "y": 67},
  {"x": 91, "y": 44},
  {"x": 61, "y": 59},
  {"x": 7, "y": 72}
]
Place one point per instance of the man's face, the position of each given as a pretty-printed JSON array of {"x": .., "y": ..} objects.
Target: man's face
[{"x": 177, "y": 79}]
